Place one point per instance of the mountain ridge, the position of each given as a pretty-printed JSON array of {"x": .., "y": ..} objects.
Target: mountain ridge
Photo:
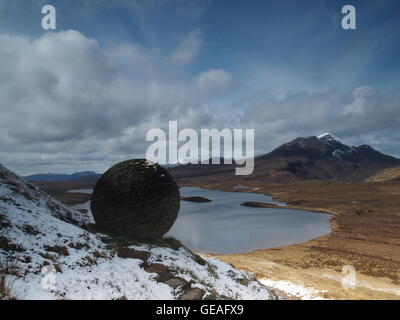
[
  {"x": 83, "y": 176},
  {"x": 315, "y": 157}
]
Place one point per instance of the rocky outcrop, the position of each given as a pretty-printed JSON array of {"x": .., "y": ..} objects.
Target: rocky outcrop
[
  {"x": 195, "y": 199},
  {"x": 253, "y": 204},
  {"x": 137, "y": 199},
  {"x": 127, "y": 253},
  {"x": 193, "y": 294}
]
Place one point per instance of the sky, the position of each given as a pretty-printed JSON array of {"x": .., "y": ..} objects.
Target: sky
[{"x": 83, "y": 96}]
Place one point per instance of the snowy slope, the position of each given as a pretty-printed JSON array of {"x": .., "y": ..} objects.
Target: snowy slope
[
  {"x": 58, "y": 259},
  {"x": 295, "y": 291}
]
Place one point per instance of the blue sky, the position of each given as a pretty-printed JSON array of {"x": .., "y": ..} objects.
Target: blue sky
[
  {"x": 285, "y": 68},
  {"x": 253, "y": 39}
]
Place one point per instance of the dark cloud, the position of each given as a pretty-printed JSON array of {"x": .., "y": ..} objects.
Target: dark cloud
[
  {"x": 63, "y": 97},
  {"x": 363, "y": 115},
  {"x": 82, "y": 100}
]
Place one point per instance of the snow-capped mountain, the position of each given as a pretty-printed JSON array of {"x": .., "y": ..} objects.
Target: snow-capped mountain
[
  {"x": 316, "y": 157},
  {"x": 328, "y": 157},
  {"x": 324, "y": 145},
  {"x": 55, "y": 257}
]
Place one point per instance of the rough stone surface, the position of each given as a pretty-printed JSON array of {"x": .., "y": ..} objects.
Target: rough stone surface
[
  {"x": 162, "y": 271},
  {"x": 192, "y": 294},
  {"x": 137, "y": 199},
  {"x": 176, "y": 283},
  {"x": 199, "y": 260},
  {"x": 127, "y": 253}
]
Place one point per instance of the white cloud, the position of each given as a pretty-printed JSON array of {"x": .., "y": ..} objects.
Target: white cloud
[
  {"x": 188, "y": 48},
  {"x": 215, "y": 80},
  {"x": 361, "y": 96},
  {"x": 65, "y": 99}
]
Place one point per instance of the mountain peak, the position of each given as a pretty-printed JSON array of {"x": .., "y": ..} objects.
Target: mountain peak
[{"x": 327, "y": 137}]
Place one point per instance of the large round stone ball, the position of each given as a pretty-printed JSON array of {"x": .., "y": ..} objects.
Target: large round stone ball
[{"x": 136, "y": 199}]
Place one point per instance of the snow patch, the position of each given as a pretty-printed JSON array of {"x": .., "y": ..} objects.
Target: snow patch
[
  {"x": 38, "y": 231},
  {"x": 327, "y": 137},
  {"x": 294, "y": 290}
]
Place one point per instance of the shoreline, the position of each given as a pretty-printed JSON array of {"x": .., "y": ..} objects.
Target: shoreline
[
  {"x": 365, "y": 220},
  {"x": 371, "y": 246},
  {"x": 200, "y": 200}
]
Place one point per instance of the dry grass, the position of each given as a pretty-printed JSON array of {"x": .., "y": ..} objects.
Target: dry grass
[
  {"x": 386, "y": 175},
  {"x": 58, "y": 190},
  {"x": 365, "y": 234},
  {"x": 8, "y": 272}
]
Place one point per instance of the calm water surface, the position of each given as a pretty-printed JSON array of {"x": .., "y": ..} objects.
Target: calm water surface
[{"x": 223, "y": 226}]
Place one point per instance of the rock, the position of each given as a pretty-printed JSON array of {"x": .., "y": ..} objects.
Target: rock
[
  {"x": 199, "y": 260},
  {"x": 127, "y": 253},
  {"x": 176, "y": 283},
  {"x": 260, "y": 205},
  {"x": 363, "y": 212},
  {"x": 192, "y": 294},
  {"x": 195, "y": 199},
  {"x": 161, "y": 270},
  {"x": 136, "y": 199}
]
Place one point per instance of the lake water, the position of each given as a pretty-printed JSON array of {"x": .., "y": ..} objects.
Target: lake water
[{"x": 223, "y": 226}]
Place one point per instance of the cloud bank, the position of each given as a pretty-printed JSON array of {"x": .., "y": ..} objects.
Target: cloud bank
[
  {"x": 63, "y": 97},
  {"x": 67, "y": 103}
]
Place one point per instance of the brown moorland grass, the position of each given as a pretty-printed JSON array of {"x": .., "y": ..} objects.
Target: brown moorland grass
[
  {"x": 59, "y": 190},
  {"x": 365, "y": 234}
]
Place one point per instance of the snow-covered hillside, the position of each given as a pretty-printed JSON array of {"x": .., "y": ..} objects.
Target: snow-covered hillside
[{"x": 57, "y": 258}]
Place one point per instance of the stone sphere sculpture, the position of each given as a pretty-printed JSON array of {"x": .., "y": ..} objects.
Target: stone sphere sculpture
[{"x": 137, "y": 199}]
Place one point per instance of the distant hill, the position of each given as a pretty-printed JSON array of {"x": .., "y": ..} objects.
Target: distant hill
[
  {"x": 85, "y": 176},
  {"x": 389, "y": 174},
  {"x": 322, "y": 157}
]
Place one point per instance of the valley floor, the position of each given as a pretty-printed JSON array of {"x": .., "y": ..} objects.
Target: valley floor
[{"x": 365, "y": 235}]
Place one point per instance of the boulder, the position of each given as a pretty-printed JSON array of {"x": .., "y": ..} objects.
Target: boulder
[{"x": 136, "y": 199}]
